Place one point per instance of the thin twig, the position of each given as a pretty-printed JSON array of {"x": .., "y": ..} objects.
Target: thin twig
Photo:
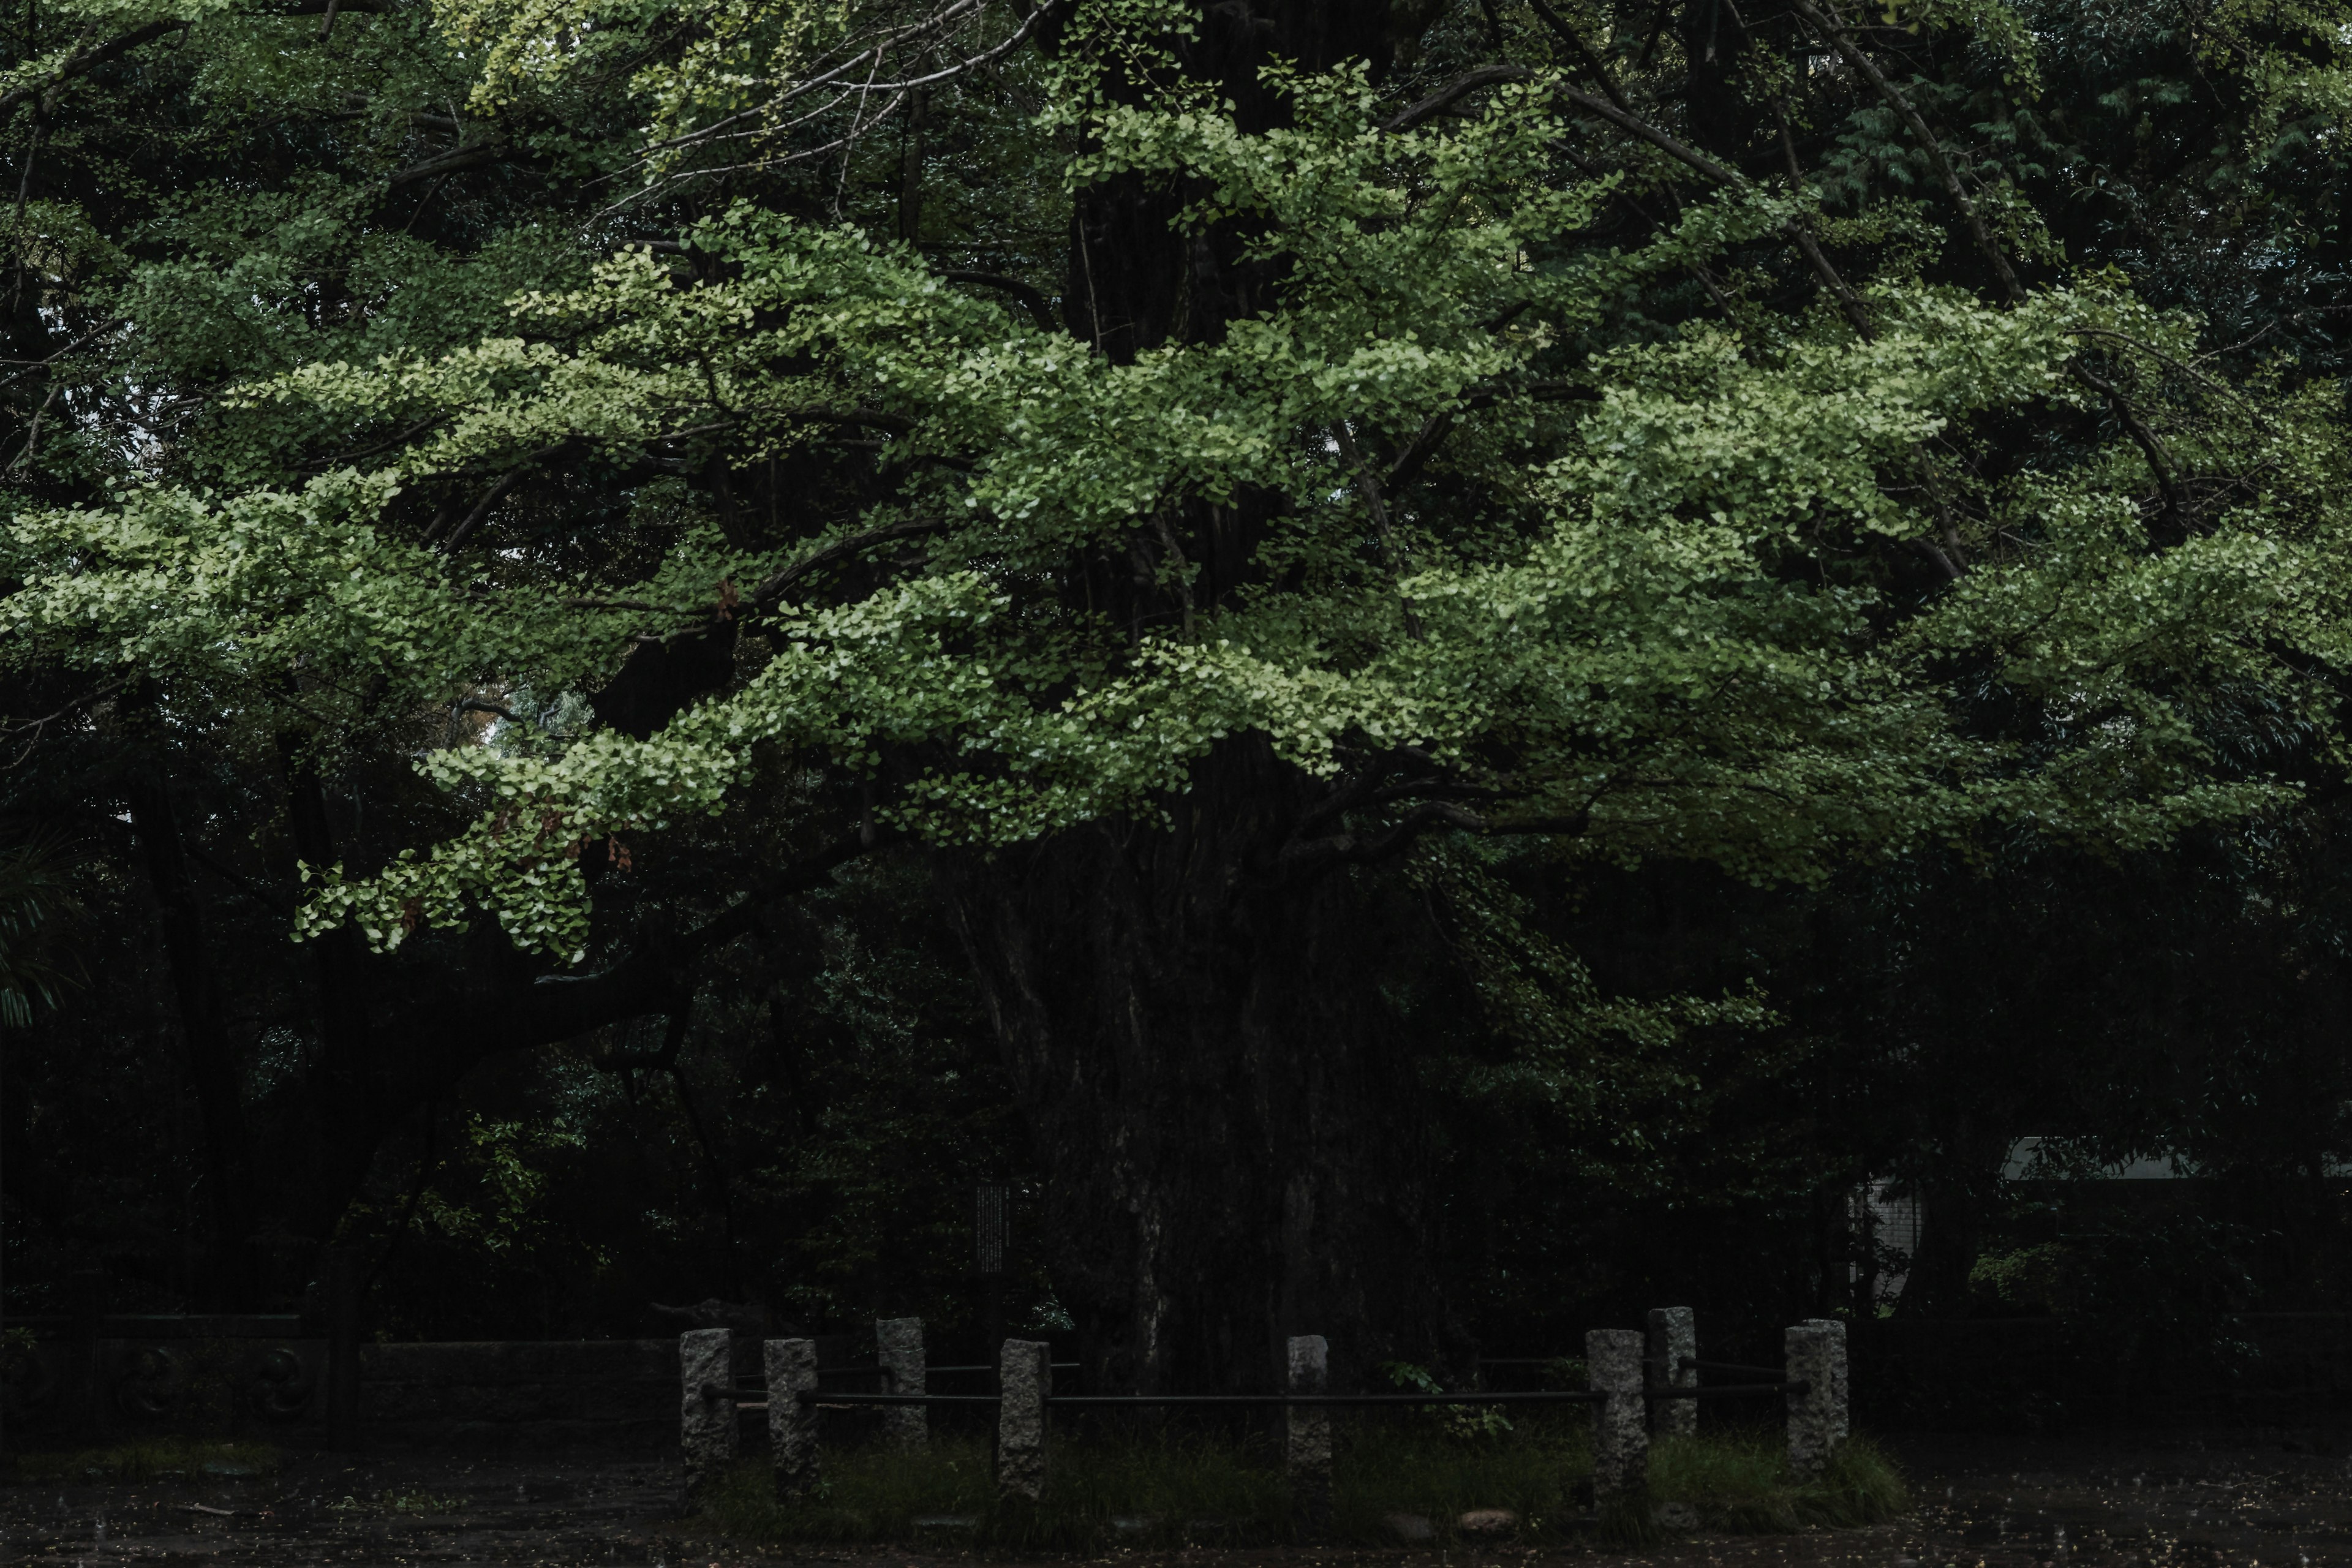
[{"x": 1377, "y": 504}]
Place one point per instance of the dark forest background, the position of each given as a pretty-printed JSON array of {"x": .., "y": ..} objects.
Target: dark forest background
[{"x": 814, "y": 1143}]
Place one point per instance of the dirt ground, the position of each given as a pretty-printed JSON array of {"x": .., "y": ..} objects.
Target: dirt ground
[{"x": 2171, "y": 1499}]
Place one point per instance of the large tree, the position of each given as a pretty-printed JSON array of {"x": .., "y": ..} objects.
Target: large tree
[{"x": 1213, "y": 479}]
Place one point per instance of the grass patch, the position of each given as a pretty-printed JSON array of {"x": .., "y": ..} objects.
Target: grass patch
[
  {"x": 1540, "y": 1468},
  {"x": 149, "y": 1459},
  {"x": 1739, "y": 1482},
  {"x": 1175, "y": 1489},
  {"x": 1158, "y": 1491}
]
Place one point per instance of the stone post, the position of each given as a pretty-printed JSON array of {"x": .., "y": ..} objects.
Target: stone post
[
  {"x": 899, "y": 1346},
  {"x": 1025, "y": 1379},
  {"x": 790, "y": 1366},
  {"x": 1621, "y": 1443},
  {"x": 1814, "y": 1351},
  {"x": 1674, "y": 1335},
  {"x": 705, "y": 1406},
  {"x": 1306, "y": 1447}
]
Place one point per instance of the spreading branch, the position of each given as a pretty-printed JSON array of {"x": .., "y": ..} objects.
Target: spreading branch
[
  {"x": 1892, "y": 96},
  {"x": 1307, "y": 856},
  {"x": 1849, "y": 302},
  {"x": 447, "y": 163},
  {"x": 2167, "y": 484},
  {"x": 772, "y": 588},
  {"x": 1368, "y": 484},
  {"x": 1408, "y": 463},
  {"x": 1591, "y": 62},
  {"x": 497, "y": 493},
  {"x": 1445, "y": 97},
  {"x": 1033, "y": 300},
  {"x": 83, "y": 61}
]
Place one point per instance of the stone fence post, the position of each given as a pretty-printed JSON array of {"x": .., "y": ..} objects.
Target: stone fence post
[
  {"x": 1814, "y": 1353},
  {"x": 1025, "y": 1379},
  {"x": 1621, "y": 1443},
  {"x": 706, "y": 1409},
  {"x": 790, "y": 1366},
  {"x": 1306, "y": 1447},
  {"x": 899, "y": 1346},
  {"x": 1674, "y": 1335}
]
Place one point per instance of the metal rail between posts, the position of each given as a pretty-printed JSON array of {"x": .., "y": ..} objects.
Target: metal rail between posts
[
  {"x": 1775, "y": 1378},
  {"x": 1562, "y": 1396},
  {"x": 1135, "y": 1401},
  {"x": 756, "y": 1382},
  {"x": 1643, "y": 1385},
  {"x": 1740, "y": 1369},
  {"x": 1321, "y": 1401},
  {"x": 821, "y": 1397}
]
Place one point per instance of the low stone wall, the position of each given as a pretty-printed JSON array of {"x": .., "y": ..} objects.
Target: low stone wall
[
  {"x": 257, "y": 1378},
  {"x": 102, "y": 1380},
  {"x": 611, "y": 1394}
]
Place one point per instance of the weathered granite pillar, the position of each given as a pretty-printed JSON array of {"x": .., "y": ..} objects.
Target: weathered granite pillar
[
  {"x": 1025, "y": 1378},
  {"x": 1674, "y": 1335},
  {"x": 1814, "y": 1351},
  {"x": 1306, "y": 1448},
  {"x": 790, "y": 1366},
  {"x": 1841, "y": 1384},
  {"x": 1620, "y": 1441},
  {"x": 706, "y": 1407},
  {"x": 899, "y": 1346}
]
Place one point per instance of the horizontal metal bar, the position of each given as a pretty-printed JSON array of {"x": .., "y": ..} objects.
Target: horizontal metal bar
[
  {"x": 820, "y": 1397},
  {"x": 1728, "y": 1390},
  {"x": 1692, "y": 1364},
  {"x": 1138, "y": 1401},
  {"x": 1577, "y": 1396},
  {"x": 1059, "y": 1366},
  {"x": 755, "y": 1384}
]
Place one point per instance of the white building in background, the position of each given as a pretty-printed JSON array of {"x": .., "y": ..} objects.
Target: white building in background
[
  {"x": 2018, "y": 1167},
  {"x": 1889, "y": 1223},
  {"x": 1892, "y": 1224}
]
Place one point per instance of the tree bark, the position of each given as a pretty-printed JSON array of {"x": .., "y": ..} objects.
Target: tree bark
[
  {"x": 212, "y": 1060},
  {"x": 1957, "y": 1194},
  {"x": 1220, "y": 1094},
  {"x": 1222, "y": 1100},
  {"x": 350, "y": 1113}
]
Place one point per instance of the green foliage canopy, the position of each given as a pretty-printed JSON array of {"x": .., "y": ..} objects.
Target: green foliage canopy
[{"x": 1647, "y": 589}]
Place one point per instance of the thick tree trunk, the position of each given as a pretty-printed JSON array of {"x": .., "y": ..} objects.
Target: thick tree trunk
[
  {"x": 1955, "y": 1198},
  {"x": 1220, "y": 1097},
  {"x": 212, "y": 1061},
  {"x": 352, "y": 1110}
]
